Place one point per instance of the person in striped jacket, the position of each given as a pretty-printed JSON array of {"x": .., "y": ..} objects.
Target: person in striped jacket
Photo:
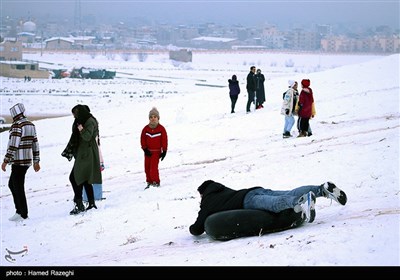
[
  {"x": 154, "y": 142},
  {"x": 22, "y": 150}
]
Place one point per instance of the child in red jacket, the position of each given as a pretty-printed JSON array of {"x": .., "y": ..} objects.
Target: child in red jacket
[{"x": 154, "y": 142}]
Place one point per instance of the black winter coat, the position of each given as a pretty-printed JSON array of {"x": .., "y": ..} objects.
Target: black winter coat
[
  {"x": 217, "y": 198},
  {"x": 251, "y": 82},
  {"x": 234, "y": 88}
]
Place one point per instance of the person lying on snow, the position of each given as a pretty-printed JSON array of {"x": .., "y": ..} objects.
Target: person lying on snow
[{"x": 215, "y": 197}]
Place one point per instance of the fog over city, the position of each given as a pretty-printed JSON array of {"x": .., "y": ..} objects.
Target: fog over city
[{"x": 286, "y": 14}]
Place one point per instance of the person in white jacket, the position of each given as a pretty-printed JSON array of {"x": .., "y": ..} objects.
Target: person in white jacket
[{"x": 288, "y": 107}]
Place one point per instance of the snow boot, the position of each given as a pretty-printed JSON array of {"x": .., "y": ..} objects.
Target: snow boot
[
  {"x": 79, "y": 207},
  {"x": 302, "y": 134},
  {"x": 91, "y": 205}
]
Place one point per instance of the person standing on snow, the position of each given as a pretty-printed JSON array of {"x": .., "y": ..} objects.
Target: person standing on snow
[
  {"x": 234, "y": 91},
  {"x": 288, "y": 107},
  {"x": 22, "y": 149},
  {"x": 154, "y": 143},
  {"x": 251, "y": 88},
  {"x": 83, "y": 146},
  {"x": 306, "y": 109},
  {"x": 260, "y": 91}
]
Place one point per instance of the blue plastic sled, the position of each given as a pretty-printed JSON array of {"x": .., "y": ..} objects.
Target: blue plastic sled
[{"x": 97, "y": 191}]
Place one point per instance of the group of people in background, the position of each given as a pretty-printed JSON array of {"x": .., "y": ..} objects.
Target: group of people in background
[
  {"x": 294, "y": 103},
  {"x": 301, "y": 105},
  {"x": 254, "y": 86},
  {"x": 255, "y": 89}
]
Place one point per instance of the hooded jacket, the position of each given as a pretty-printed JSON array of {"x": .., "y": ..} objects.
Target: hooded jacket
[
  {"x": 306, "y": 101},
  {"x": 23, "y": 145}
]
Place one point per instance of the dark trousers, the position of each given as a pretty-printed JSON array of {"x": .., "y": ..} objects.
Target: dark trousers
[
  {"x": 79, "y": 188},
  {"x": 16, "y": 184},
  {"x": 252, "y": 95},
  {"x": 303, "y": 124},
  {"x": 234, "y": 98}
]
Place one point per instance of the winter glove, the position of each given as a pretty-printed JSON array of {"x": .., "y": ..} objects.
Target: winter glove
[
  {"x": 147, "y": 153},
  {"x": 102, "y": 167},
  {"x": 287, "y": 112},
  {"x": 163, "y": 154}
]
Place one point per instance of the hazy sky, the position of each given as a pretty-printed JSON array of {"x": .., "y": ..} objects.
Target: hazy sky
[{"x": 365, "y": 13}]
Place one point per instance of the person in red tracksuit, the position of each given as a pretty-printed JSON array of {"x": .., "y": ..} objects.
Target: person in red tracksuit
[{"x": 154, "y": 141}]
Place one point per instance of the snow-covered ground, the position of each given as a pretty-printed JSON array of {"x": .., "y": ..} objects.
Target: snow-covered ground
[{"x": 355, "y": 144}]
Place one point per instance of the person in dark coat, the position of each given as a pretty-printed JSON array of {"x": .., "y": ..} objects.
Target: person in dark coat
[
  {"x": 83, "y": 146},
  {"x": 215, "y": 197},
  {"x": 234, "y": 91},
  {"x": 260, "y": 92},
  {"x": 251, "y": 87}
]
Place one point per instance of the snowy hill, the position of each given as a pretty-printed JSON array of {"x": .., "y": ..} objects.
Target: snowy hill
[{"x": 355, "y": 144}]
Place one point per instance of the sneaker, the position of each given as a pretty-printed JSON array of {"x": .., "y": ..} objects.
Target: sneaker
[
  {"x": 306, "y": 205},
  {"x": 20, "y": 219},
  {"x": 16, "y": 217},
  {"x": 287, "y": 134},
  {"x": 331, "y": 191}
]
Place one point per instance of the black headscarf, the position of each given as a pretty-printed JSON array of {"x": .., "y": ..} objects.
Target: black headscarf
[{"x": 81, "y": 114}]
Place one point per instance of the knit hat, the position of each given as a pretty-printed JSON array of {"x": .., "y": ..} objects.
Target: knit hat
[
  {"x": 305, "y": 83},
  {"x": 234, "y": 78},
  {"x": 154, "y": 112},
  {"x": 291, "y": 83},
  {"x": 201, "y": 189},
  {"x": 17, "y": 109}
]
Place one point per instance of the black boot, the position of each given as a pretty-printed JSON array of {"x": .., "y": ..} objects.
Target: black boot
[
  {"x": 91, "y": 205},
  {"x": 79, "y": 207}
]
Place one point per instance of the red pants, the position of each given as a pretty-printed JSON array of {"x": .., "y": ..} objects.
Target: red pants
[{"x": 151, "y": 167}]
